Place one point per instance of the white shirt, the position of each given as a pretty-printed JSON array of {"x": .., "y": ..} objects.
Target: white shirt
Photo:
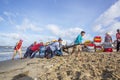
[{"x": 55, "y": 46}]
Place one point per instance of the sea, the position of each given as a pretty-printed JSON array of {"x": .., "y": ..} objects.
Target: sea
[{"x": 6, "y": 52}]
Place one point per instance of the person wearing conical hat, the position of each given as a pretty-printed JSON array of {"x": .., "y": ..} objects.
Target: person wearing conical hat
[{"x": 108, "y": 38}]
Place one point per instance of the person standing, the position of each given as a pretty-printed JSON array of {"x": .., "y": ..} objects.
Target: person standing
[
  {"x": 77, "y": 42},
  {"x": 17, "y": 49},
  {"x": 108, "y": 38},
  {"x": 107, "y": 43},
  {"x": 118, "y": 39}
]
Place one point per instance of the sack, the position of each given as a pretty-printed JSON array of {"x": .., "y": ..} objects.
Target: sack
[
  {"x": 107, "y": 45},
  {"x": 87, "y": 42},
  {"x": 98, "y": 49},
  {"x": 90, "y": 47},
  {"x": 97, "y": 39},
  {"x": 97, "y": 43},
  {"x": 91, "y": 50},
  {"x": 108, "y": 50}
]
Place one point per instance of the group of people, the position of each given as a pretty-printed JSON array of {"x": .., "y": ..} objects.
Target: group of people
[
  {"x": 55, "y": 48},
  {"x": 49, "y": 50},
  {"x": 108, "y": 39}
]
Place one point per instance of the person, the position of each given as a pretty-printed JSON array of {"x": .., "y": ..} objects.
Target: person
[
  {"x": 54, "y": 49},
  {"x": 42, "y": 50},
  {"x": 17, "y": 49},
  {"x": 118, "y": 39},
  {"x": 28, "y": 49},
  {"x": 78, "y": 41},
  {"x": 108, "y": 38},
  {"x": 34, "y": 49},
  {"x": 107, "y": 45}
]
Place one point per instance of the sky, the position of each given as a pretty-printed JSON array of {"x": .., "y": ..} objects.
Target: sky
[{"x": 45, "y": 20}]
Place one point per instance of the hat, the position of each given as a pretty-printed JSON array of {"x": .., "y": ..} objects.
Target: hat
[
  {"x": 59, "y": 39},
  {"x": 118, "y": 30},
  {"x": 108, "y": 33},
  {"x": 21, "y": 40},
  {"x": 54, "y": 40}
]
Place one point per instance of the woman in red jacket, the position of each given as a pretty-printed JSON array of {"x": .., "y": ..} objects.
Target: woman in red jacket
[{"x": 17, "y": 49}]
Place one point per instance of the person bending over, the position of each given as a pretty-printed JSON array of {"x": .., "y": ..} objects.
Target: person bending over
[
  {"x": 54, "y": 49},
  {"x": 77, "y": 42}
]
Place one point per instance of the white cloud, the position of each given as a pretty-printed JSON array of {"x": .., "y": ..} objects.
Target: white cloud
[
  {"x": 109, "y": 21},
  {"x": 11, "y": 39},
  {"x": 28, "y": 25},
  {"x": 10, "y": 35},
  {"x": 53, "y": 28},
  {"x": 10, "y": 17},
  {"x": 66, "y": 33},
  {"x": 1, "y": 19}
]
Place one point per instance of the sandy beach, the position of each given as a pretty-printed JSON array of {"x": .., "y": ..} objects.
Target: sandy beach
[{"x": 88, "y": 66}]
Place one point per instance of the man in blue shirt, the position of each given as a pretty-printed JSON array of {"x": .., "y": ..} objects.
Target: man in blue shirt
[
  {"x": 78, "y": 41},
  {"x": 55, "y": 48}
]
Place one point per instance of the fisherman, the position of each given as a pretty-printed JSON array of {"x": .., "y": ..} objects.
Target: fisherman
[
  {"x": 54, "y": 49},
  {"x": 17, "y": 49},
  {"x": 118, "y": 39},
  {"x": 107, "y": 45},
  {"x": 33, "y": 50},
  {"x": 77, "y": 42},
  {"x": 108, "y": 38},
  {"x": 28, "y": 49}
]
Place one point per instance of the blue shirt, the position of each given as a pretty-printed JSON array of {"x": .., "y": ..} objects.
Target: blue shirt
[{"x": 78, "y": 40}]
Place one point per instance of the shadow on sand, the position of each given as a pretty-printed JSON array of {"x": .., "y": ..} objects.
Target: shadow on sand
[{"x": 22, "y": 77}]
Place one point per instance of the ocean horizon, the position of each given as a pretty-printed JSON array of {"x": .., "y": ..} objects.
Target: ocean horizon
[{"x": 6, "y": 52}]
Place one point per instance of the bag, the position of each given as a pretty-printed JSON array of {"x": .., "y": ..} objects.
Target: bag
[
  {"x": 97, "y": 43},
  {"x": 97, "y": 39},
  {"x": 98, "y": 49},
  {"x": 92, "y": 50},
  {"x": 108, "y": 50},
  {"x": 107, "y": 45},
  {"x": 91, "y": 46}
]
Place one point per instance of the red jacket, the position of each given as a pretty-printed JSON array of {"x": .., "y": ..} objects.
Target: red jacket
[
  {"x": 118, "y": 36},
  {"x": 36, "y": 47},
  {"x": 18, "y": 46}
]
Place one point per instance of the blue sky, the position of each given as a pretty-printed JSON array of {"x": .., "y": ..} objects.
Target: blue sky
[{"x": 35, "y": 20}]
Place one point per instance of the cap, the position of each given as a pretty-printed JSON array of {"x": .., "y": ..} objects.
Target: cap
[
  {"x": 108, "y": 33},
  {"x": 21, "y": 40},
  {"x": 118, "y": 29},
  {"x": 59, "y": 39}
]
